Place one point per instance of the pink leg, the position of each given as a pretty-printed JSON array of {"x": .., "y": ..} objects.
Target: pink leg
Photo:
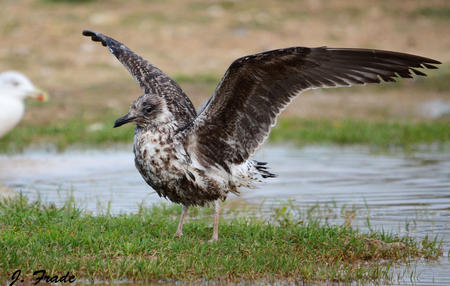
[
  {"x": 180, "y": 224},
  {"x": 215, "y": 235}
]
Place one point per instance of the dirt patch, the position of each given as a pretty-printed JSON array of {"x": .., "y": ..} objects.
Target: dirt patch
[{"x": 43, "y": 39}]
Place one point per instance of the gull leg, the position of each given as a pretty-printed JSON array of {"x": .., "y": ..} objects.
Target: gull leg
[
  {"x": 180, "y": 224},
  {"x": 215, "y": 235}
]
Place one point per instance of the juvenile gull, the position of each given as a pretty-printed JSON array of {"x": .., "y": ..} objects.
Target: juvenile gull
[
  {"x": 14, "y": 88},
  {"x": 195, "y": 158}
]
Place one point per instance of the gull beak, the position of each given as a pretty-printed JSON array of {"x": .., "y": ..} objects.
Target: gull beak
[
  {"x": 39, "y": 95},
  {"x": 123, "y": 120}
]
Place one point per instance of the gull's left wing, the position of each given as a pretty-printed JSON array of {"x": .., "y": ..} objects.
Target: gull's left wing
[{"x": 237, "y": 118}]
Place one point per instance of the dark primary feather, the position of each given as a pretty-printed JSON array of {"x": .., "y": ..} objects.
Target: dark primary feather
[
  {"x": 151, "y": 79},
  {"x": 235, "y": 121}
]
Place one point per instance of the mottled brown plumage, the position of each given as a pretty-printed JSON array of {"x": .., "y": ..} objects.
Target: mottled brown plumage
[{"x": 197, "y": 159}]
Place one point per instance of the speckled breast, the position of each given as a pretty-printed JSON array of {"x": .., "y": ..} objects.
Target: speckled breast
[{"x": 165, "y": 169}]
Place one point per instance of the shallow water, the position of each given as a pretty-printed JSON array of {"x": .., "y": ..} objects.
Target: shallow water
[{"x": 406, "y": 193}]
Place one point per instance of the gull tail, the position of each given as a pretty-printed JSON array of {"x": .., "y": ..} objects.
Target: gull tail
[{"x": 262, "y": 169}]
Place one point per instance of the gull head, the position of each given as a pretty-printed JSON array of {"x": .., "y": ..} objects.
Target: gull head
[
  {"x": 15, "y": 84},
  {"x": 146, "y": 111}
]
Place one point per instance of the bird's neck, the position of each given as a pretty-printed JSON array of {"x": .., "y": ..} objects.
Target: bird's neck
[
  {"x": 14, "y": 93},
  {"x": 148, "y": 140},
  {"x": 162, "y": 130}
]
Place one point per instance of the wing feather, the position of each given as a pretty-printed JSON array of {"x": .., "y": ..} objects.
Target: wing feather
[
  {"x": 237, "y": 119},
  {"x": 151, "y": 79}
]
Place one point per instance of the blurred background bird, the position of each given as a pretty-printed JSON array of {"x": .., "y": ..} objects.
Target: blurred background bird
[{"x": 15, "y": 87}]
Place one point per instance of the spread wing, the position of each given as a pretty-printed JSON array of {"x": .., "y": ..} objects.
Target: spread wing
[
  {"x": 237, "y": 119},
  {"x": 151, "y": 79}
]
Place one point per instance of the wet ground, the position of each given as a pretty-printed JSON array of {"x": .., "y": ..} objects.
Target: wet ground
[{"x": 403, "y": 193}]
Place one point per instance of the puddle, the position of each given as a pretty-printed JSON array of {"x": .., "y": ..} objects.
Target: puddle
[{"x": 401, "y": 193}]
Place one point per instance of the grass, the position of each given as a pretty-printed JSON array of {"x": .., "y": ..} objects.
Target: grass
[
  {"x": 300, "y": 131},
  {"x": 352, "y": 131},
  {"x": 141, "y": 247},
  {"x": 440, "y": 13},
  {"x": 202, "y": 78},
  {"x": 64, "y": 134}
]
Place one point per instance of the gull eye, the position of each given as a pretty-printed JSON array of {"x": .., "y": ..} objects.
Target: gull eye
[
  {"x": 148, "y": 109},
  {"x": 15, "y": 83}
]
